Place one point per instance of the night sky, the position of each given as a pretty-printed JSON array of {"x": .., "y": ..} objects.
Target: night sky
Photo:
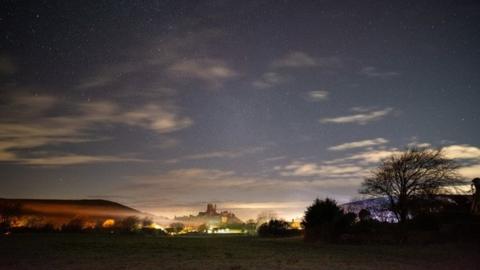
[{"x": 252, "y": 105}]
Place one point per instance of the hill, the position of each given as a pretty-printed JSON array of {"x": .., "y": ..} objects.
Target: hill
[
  {"x": 58, "y": 212},
  {"x": 378, "y": 207}
]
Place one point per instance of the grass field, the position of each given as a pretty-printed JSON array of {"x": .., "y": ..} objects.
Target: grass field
[{"x": 89, "y": 251}]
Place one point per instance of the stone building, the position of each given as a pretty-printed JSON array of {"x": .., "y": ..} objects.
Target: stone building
[{"x": 210, "y": 219}]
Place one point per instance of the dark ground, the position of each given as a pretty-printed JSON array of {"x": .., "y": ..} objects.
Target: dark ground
[{"x": 91, "y": 251}]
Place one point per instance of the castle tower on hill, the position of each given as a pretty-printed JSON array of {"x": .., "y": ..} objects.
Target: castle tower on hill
[
  {"x": 210, "y": 218},
  {"x": 211, "y": 209}
]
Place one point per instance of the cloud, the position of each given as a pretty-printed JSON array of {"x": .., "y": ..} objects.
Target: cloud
[
  {"x": 462, "y": 151},
  {"x": 360, "y": 118},
  {"x": 419, "y": 144},
  {"x": 373, "y": 156},
  {"x": 375, "y": 73},
  {"x": 269, "y": 79},
  {"x": 108, "y": 74},
  {"x": 468, "y": 156},
  {"x": 295, "y": 59},
  {"x": 72, "y": 159},
  {"x": 272, "y": 159},
  {"x": 198, "y": 174},
  {"x": 298, "y": 59},
  {"x": 167, "y": 59},
  {"x": 470, "y": 172},
  {"x": 319, "y": 95},
  {"x": 367, "y": 158},
  {"x": 195, "y": 179},
  {"x": 36, "y": 127},
  {"x": 358, "y": 144},
  {"x": 211, "y": 71},
  {"x": 298, "y": 168},
  {"x": 154, "y": 117},
  {"x": 219, "y": 154}
]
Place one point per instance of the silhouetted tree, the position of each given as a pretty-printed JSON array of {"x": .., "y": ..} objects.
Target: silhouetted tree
[
  {"x": 74, "y": 225},
  {"x": 324, "y": 220},
  {"x": 251, "y": 226},
  {"x": 34, "y": 222},
  {"x": 177, "y": 227},
  {"x": 274, "y": 227},
  {"x": 128, "y": 224},
  {"x": 364, "y": 215},
  {"x": 8, "y": 211},
  {"x": 47, "y": 227},
  {"x": 410, "y": 177},
  {"x": 147, "y": 222},
  {"x": 265, "y": 216}
]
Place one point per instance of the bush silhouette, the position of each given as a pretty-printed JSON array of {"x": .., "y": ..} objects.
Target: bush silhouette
[
  {"x": 325, "y": 221},
  {"x": 8, "y": 211},
  {"x": 364, "y": 215},
  {"x": 74, "y": 225},
  {"x": 129, "y": 224},
  {"x": 276, "y": 228},
  {"x": 177, "y": 227}
]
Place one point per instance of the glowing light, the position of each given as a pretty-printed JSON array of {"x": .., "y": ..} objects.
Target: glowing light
[
  {"x": 156, "y": 226},
  {"x": 296, "y": 224},
  {"x": 108, "y": 223}
]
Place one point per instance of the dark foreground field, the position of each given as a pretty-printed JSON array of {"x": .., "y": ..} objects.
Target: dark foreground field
[{"x": 89, "y": 251}]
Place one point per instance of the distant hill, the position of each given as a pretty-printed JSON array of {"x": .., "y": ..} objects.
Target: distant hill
[
  {"x": 378, "y": 207},
  {"x": 59, "y": 212},
  {"x": 71, "y": 208}
]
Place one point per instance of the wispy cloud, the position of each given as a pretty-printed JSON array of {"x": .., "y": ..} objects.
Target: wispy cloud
[
  {"x": 73, "y": 159},
  {"x": 462, "y": 151},
  {"x": 272, "y": 159},
  {"x": 214, "y": 72},
  {"x": 298, "y": 59},
  {"x": 269, "y": 79},
  {"x": 276, "y": 73},
  {"x": 108, "y": 74},
  {"x": 419, "y": 144},
  {"x": 470, "y": 172},
  {"x": 161, "y": 119},
  {"x": 298, "y": 168},
  {"x": 468, "y": 156},
  {"x": 230, "y": 154},
  {"x": 359, "y": 118},
  {"x": 171, "y": 59},
  {"x": 295, "y": 59},
  {"x": 316, "y": 96},
  {"x": 358, "y": 144},
  {"x": 375, "y": 73},
  {"x": 373, "y": 156},
  {"x": 35, "y": 127}
]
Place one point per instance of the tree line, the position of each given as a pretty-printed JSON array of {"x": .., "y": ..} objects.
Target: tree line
[{"x": 419, "y": 187}]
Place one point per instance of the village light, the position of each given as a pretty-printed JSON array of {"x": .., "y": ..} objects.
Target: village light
[{"x": 108, "y": 223}]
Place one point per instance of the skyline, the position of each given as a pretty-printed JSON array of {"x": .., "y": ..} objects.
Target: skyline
[{"x": 254, "y": 106}]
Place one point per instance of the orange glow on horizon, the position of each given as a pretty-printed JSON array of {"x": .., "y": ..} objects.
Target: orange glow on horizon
[{"x": 108, "y": 223}]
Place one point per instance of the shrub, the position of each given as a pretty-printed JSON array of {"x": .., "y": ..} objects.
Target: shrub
[
  {"x": 177, "y": 227},
  {"x": 74, "y": 225},
  {"x": 128, "y": 225},
  {"x": 276, "y": 228},
  {"x": 325, "y": 221},
  {"x": 364, "y": 215}
]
